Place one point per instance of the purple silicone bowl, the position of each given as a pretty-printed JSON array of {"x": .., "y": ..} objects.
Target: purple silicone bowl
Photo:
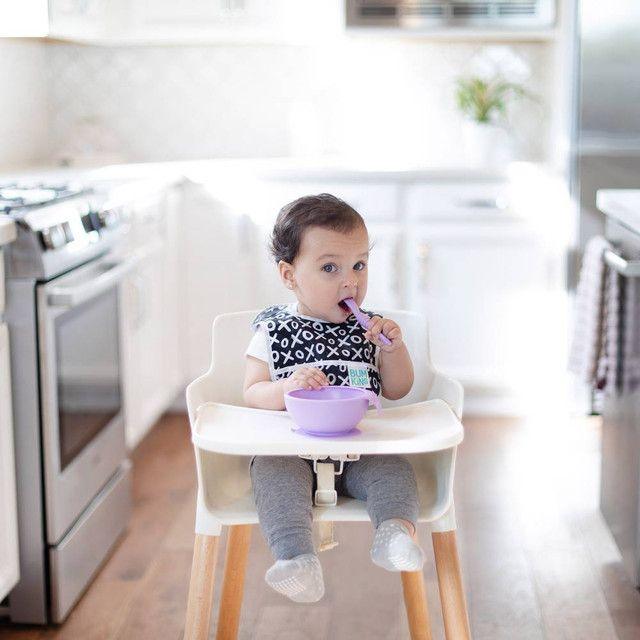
[{"x": 329, "y": 411}]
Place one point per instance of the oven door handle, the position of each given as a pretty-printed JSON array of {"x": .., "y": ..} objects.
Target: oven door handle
[
  {"x": 72, "y": 296},
  {"x": 630, "y": 269}
]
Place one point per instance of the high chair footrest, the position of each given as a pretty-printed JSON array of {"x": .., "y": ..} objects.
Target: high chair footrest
[{"x": 415, "y": 428}]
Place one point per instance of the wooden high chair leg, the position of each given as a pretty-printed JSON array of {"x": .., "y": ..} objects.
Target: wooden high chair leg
[
  {"x": 233, "y": 582},
  {"x": 454, "y": 606},
  {"x": 415, "y": 602},
  {"x": 205, "y": 551}
]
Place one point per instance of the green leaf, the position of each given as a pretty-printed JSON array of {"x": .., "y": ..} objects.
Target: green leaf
[{"x": 481, "y": 100}]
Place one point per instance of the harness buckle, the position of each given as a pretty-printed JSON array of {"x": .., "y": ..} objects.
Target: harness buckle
[{"x": 326, "y": 498}]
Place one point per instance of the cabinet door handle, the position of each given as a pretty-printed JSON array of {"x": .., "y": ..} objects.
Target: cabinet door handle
[
  {"x": 137, "y": 297},
  {"x": 233, "y": 6},
  {"x": 245, "y": 229},
  {"x": 500, "y": 203},
  {"x": 397, "y": 269},
  {"x": 423, "y": 264}
]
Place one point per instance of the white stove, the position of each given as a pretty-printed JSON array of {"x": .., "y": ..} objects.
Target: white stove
[
  {"x": 59, "y": 227},
  {"x": 15, "y": 195}
]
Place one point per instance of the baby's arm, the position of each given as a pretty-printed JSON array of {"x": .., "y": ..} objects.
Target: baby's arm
[
  {"x": 396, "y": 368},
  {"x": 261, "y": 393},
  {"x": 396, "y": 373}
]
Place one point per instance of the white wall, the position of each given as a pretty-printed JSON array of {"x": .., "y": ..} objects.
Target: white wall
[
  {"x": 385, "y": 98},
  {"x": 24, "y": 116}
]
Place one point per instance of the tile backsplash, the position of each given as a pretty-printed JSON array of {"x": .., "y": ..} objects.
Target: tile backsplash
[
  {"x": 24, "y": 132},
  {"x": 355, "y": 98}
]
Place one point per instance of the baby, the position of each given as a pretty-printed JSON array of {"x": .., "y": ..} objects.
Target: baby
[{"x": 321, "y": 247}]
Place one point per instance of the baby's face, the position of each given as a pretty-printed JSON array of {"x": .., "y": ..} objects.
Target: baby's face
[{"x": 330, "y": 267}]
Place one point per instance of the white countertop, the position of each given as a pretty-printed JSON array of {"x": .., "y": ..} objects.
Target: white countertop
[
  {"x": 7, "y": 229},
  {"x": 290, "y": 169},
  {"x": 539, "y": 194},
  {"x": 621, "y": 204}
]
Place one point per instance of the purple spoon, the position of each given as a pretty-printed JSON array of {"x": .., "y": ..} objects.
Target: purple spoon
[{"x": 363, "y": 319}]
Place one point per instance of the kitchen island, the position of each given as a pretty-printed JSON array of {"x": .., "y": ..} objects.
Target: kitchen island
[{"x": 480, "y": 253}]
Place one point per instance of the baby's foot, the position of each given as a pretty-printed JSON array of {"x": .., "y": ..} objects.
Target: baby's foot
[
  {"x": 394, "y": 549},
  {"x": 300, "y": 579}
]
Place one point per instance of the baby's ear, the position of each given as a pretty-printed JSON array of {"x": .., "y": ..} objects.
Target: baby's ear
[{"x": 286, "y": 274}]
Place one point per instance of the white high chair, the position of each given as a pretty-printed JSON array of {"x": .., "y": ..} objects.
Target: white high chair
[{"x": 424, "y": 426}]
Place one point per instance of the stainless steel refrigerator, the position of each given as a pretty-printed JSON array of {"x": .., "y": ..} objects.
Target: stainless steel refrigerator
[
  {"x": 606, "y": 138},
  {"x": 606, "y": 154}
]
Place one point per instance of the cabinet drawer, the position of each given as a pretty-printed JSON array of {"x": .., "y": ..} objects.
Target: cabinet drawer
[
  {"x": 457, "y": 200},
  {"x": 83, "y": 549},
  {"x": 373, "y": 201}
]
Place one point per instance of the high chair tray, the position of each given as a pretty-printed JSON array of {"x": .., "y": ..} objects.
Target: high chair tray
[{"x": 415, "y": 428}]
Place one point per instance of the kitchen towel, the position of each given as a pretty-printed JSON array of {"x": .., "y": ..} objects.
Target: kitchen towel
[
  {"x": 607, "y": 371},
  {"x": 596, "y": 319},
  {"x": 630, "y": 373}
]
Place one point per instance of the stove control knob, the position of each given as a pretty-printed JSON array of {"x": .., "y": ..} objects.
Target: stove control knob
[
  {"x": 86, "y": 223},
  {"x": 53, "y": 237},
  {"x": 111, "y": 216},
  {"x": 91, "y": 222},
  {"x": 107, "y": 217},
  {"x": 58, "y": 237},
  {"x": 45, "y": 239},
  {"x": 68, "y": 232},
  {"x": 95, "y": 220}
]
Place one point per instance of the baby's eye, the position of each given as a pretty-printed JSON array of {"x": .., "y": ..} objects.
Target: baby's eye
[
  {"x": 359, "y": 266},
  {"x": 329, "y": 268}
]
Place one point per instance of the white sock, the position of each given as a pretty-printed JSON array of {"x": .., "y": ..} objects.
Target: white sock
[
  {"x": 394, "y": 549},
  {"x": 300, "y": 579}
]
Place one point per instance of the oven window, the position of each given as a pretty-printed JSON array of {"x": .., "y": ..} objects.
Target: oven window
[{"x": 88, "y": 372}]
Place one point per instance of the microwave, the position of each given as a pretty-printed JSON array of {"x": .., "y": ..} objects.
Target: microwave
[{"x": 414, "y": 16}]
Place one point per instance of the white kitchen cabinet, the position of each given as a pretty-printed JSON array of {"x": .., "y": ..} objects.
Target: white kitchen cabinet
[
  {"x": 386, "y": 267},
  {"x": 152, "y": 305},
  {"x": 229, "y": 264},
  {"x": 270, "y": 290},
  {"x": 262, "y": 199},
  {"x": 9, "y": 562},
  {"x": 215, "y": 14},
  {"x": 459, "y": 201},
  {"x": 87, "y": 19},
  {"x": 162, "y": 21},
  {"x": 486, "y": 272},
  {"x": 490, "y": 292},
  {"x": 287, "y": 21},
  {"x": 221, "y": 271},
  {"x": 24, "y": 19},
  {"x": 376, "y": 202}
]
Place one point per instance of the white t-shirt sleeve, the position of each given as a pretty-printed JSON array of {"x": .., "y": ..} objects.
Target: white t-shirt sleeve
[{"x": 259, "y": 345}]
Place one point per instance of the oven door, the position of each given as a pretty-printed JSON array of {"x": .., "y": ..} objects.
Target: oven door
[{"x": 79, "y": 331}]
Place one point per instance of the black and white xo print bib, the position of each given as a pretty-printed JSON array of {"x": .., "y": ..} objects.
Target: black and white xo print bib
[{"x": 340, "y": 351}]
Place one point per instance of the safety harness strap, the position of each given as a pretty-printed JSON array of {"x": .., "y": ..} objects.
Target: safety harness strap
[{"x": 326, "y": 494}]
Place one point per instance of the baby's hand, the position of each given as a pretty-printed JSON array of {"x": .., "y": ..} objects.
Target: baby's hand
[
  {"x": 305, "y": 378},
  {"x": 389, "y": 328}
]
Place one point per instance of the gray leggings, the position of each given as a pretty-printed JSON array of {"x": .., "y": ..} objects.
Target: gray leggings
[{"x": 283, "y": 489}]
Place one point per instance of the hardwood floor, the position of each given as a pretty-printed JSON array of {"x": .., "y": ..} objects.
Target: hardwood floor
[{"x": 537, "y": 560}]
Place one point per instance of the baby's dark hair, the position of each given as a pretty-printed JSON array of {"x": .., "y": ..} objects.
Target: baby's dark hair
[{"x": 323, "y": 210}]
